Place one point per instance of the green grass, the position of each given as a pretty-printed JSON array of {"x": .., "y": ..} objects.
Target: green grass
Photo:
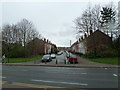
[
  {"x": 113, "y": 60},
  {"x": 17, "y": 60}
]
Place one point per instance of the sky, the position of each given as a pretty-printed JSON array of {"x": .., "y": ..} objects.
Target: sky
[{"x": 53, "y": 20}]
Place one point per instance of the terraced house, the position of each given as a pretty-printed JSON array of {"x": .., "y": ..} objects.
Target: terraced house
[
  {"x": 39, "y": 46},
  {"x": 96, "y": 41}
]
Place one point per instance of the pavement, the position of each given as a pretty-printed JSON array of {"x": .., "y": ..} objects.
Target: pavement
[{"x": 83, "y": 63}]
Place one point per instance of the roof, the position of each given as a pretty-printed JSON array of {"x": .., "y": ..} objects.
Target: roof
[
  {"x": 94, "y": 33},
  {"x": 75, "y": 43}
]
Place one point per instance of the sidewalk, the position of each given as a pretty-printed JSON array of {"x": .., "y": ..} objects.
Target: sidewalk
[{"x": 83, "y": 63}]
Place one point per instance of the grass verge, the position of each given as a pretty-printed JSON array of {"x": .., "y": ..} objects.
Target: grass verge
[
  {"x": 113, "y": 60},
  {"x": 17, "y": 60}
]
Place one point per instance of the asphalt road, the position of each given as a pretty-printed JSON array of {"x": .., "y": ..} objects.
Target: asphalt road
[
  {"x": 60, "y": 59},
  {"x": 36, "y": 76}
]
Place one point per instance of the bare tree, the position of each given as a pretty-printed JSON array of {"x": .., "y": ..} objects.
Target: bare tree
[
  {"x": 96, "y": 17},
  {"x": 89, "y": 21},
  {"x": 6, "y": 33},
  {"x": 26, "y": 29},
  {"x": 21, "y": 33}
]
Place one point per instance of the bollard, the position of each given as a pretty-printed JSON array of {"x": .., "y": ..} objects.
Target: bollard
[
  {"x": 65, "y": 61},
  {"x": 56, "y": 61}
]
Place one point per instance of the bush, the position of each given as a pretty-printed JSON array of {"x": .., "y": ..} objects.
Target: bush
[
  {"x": 110, "y": 53},
  {"x": 19, "y": 52},
  {"x": 102, "y": 54},
  {"x": 90, "y": 54}
]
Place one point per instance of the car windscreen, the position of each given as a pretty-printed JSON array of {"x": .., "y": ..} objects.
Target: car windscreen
[
  {"x": 52, "y": 54},
  {"x": 46, "y": 56},
  {"x": 73, "y": 56}
]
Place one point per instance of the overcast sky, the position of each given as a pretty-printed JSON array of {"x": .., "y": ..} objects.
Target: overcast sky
[{"x": 54, "y": 20}]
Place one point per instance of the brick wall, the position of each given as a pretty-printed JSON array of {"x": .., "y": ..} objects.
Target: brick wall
[{"x": 97, "y": 41}]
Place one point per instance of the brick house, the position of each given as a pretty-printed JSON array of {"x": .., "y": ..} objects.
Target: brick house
[
  {"x": 75, "y": 47},
  {"x": 97, "y": 41},
  {"x": 39, "y": 46}
]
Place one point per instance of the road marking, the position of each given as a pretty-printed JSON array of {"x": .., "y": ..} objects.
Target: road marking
[
  {"x": 28, "y": 85},
  {"x": 2, "y": 82},
  {"x": 115, "y": 75},
  {"x": 83, "y": 73},
  {"x": 59, "y": 82},
  {"x": 106, "y": 68},
  {"x": 56, "y": 71},
  {"x": 2, "y": 77},
  {"x": 77, "y": 73}
]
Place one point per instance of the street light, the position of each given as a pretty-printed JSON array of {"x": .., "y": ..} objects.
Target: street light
[{"x": 70, "y": 43}]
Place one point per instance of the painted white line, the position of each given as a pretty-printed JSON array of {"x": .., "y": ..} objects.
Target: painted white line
[
  {"x": 83, "y": 73},
  {"x": 115, "y": 75},
  {"x": 106, "y": 68},
  {"x": 2, "y": 77},
  {"x": 60, "y": 82},
  {"x": 77, "y": 73}
]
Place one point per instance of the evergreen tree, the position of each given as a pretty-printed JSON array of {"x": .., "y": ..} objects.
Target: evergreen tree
[
  {"x": 108, "y": 19},
  {"x": 107, "y": 14}
]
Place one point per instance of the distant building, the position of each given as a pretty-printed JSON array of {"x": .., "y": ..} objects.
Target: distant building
[
  {"x": 62, "y": 48},
  {"x": 97, "y": 41},
  {"x": 39, "y": 46},
  {"x": 75, "y": 47}
]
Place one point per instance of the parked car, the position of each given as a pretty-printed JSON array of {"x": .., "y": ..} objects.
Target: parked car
[
  {"x": 46, "y": 58},
  {"x": 53, "y": 56},
  {"x": 72, "y": 59}
]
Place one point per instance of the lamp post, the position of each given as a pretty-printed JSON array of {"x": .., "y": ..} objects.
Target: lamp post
[{"x": 70, "y": 45}]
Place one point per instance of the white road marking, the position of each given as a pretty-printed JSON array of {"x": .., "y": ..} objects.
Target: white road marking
[
  {"x": 106, "y": 68},
  {"x": 56, "y": 71},
  {"x": 83, "y": 73},
  {"x": 77, "y": 73},
  {"x": 59, "y": 82},
  {"x": 115, "y": 75},
  {"x": 2, "y": 77}
]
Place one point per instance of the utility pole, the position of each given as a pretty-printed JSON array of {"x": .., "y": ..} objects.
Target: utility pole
[{"x": 70, "y": 45}]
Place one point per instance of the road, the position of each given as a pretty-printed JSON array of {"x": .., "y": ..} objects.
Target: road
[
  {"x": 60, "y": 59},
  {"x": 58, "y": 77}
]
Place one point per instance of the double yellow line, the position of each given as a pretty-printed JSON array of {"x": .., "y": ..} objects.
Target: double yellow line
[{"x": 28, "y": 85}]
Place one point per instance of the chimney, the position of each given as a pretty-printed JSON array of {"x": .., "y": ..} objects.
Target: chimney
[
  {"x": 85, "y": 35},
  {"x": 47, "y": 41},
  {"x": 91, "y": 32},
  {"x": 44, "y": 40},
  {"x": 82, "y": 38}
]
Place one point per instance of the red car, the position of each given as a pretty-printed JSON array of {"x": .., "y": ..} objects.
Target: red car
[{"x": 73, "y": 59}]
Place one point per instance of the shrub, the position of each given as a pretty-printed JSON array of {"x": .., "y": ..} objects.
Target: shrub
[
  {"x": 90, "y": 54},
  {"x": 19, "y": 52},
  {"x": 102, "y": 54},
  {"x": 110, "y": 53}
]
